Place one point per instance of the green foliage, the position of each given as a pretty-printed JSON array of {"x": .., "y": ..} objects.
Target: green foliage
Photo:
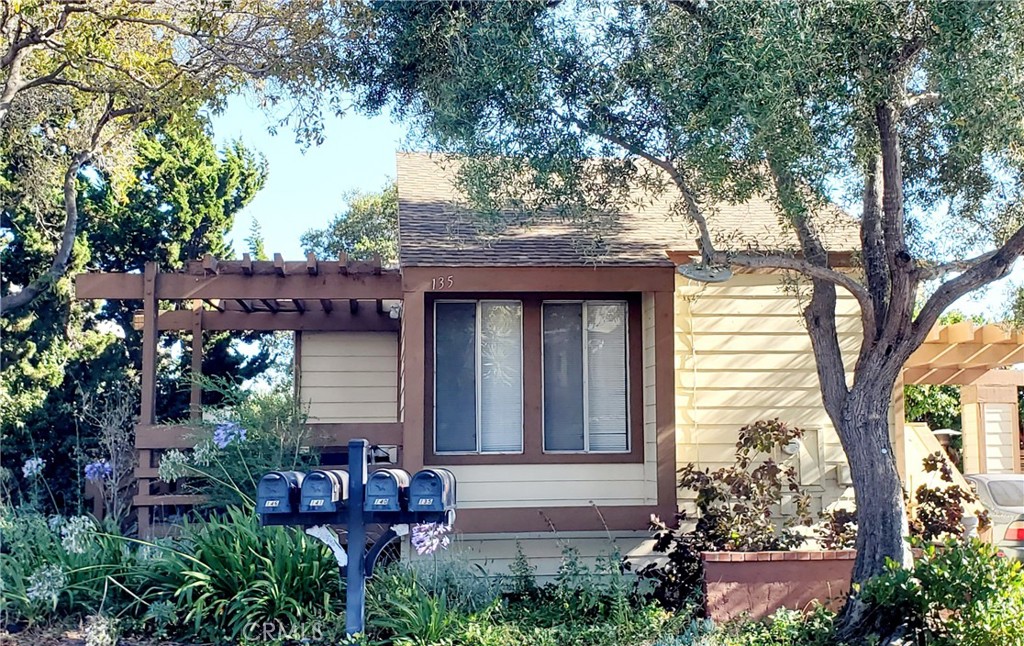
[
  {"x": 368, "y": 226},
  {"x": 784, "y": 628},
  {"x": 177, "y": 202},
  {"x": 231, "y": 575},
  {"x": 256, "y": 432},
  {"x": 737, "y": 512},
  {"x": 582, "y": 606},
  {"x": 957, "y": 594}
]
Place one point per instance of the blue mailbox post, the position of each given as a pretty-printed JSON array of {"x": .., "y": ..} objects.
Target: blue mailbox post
[{"x": 356, "y": 499}]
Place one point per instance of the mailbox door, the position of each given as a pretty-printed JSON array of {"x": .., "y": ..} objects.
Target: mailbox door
[
  {"x": 276, "y": 492},
  {"x": 386, "y": 490}
]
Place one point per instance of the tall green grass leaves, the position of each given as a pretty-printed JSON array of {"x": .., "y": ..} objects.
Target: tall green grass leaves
[{"x": 233, "y": 576}]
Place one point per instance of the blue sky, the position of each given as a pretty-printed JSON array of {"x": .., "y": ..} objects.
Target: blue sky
[{"x": 305, "y": 188}]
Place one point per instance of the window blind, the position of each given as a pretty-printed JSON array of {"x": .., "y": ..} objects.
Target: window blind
[
  {"x": 585, "y": 377},
  {"x": 478, "y": 377},
  {"x": 501, "y": 377}
]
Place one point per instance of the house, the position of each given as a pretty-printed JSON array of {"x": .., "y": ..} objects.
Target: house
[{"x": 563, "y": 385}]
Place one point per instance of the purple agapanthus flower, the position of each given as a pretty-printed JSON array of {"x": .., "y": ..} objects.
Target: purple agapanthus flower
[
  {"x": 226, "y": 433},
  {"x": 427, "y": 538},
  {"x": 98, "y": 470}
]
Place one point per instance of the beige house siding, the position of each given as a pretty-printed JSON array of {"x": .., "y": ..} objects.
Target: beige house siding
[
  {"x": 349, "y": 376},
  {"x": 743, "y": 354}
]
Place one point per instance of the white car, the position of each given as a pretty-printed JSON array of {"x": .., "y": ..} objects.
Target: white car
[{"x": 1003, "y": 496}]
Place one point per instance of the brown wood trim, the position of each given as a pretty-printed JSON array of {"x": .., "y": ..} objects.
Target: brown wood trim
[
  {"x": 155, "y": 500},
  {"x": 175, "y": 286},
  {"x": 665, "y": 396},
  {"x": 835, "y": 259},
  {"x": 561, "y": 519},
  {"x": 533, "y": 452},
  {"x": 150, "y": 337},
  {"x": 195, "y": 398},
  {"x": 538, "y": 279},
  {"x": 414, "y": 322},
  {"x": 297, "y": 367},
  {"x": 337, "y": 320},
  {"x": 181, "y": 436},
  {"x": 339, "y": 434}
]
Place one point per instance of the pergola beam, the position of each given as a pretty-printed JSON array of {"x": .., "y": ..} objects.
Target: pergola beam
[
  {"x": 312, "y": 320},
  {"x": 229, "y": 286}
]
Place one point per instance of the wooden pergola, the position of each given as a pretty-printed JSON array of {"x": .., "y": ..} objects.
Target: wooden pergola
[
  {"x": 237, "y": 295},
  {"x": 960, "y": 353},
  {"x": 977, "y": 359}
]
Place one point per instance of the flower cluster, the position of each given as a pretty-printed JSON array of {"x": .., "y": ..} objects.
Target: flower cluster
[
  {"x": 204, "y": 454},
  {"x": 173, "y": 465},
  {"x": 75, "y": 534},
  {"x": 46, "y": 584},
  {"x": 33, "y": 467},
  {"x": 98, "y": 470},
  {"x": 427, "y": 538},
  {"x": 226, "y": 433}
]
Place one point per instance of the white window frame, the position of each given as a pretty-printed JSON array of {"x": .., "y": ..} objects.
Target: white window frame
[
  {"x": 586, "y": 399},
  {"x": 478, "y": 381}
]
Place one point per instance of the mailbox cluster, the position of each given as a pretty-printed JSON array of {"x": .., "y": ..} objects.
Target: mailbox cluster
[
  {"x": 356, "y": 498},
  {"x": 391, "y": 496}
]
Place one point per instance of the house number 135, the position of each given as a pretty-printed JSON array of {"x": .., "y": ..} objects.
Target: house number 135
[{"x": 442, "y": 282}]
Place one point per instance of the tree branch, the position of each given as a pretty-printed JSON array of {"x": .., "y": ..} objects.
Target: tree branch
[
  {"x": 924, "y": 98},
  {"x": 990, "y": 268},
  {"x": 17, "y": 300},
  {"x": 876, "y": 270}
]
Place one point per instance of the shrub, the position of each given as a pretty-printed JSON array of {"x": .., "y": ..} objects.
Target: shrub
[
  {"x": 736, "y": 507},
  {"x": 227, "y": 576},
  {"x": 956, "y": 595},
  {"x": 66, "y": 567},
  {"x": 784, "y": 628},
  {"x": 258, "y": 432},
  {"x": 938, "y": 512}
]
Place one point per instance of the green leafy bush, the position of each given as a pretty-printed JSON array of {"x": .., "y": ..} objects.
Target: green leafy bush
[
  {"x": 956, "y": 595},
  {"x": 257, "y": 432},
  {"x": 53, "y": 567},
  {"x": 736, "y": 507},
  {"x": 783, "y": 628},
  {"x": 228, "y": 576}
]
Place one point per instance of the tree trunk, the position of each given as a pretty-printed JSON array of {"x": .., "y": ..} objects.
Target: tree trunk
[{"x": 863, "y": 428}]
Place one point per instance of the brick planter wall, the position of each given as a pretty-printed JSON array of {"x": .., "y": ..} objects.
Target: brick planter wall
[{"x": 756, "y": 584}]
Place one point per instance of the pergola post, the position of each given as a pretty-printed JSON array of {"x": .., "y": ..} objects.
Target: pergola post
[
  {"x": 195, "y": 400},
  {"x": 147, "y": 412}
]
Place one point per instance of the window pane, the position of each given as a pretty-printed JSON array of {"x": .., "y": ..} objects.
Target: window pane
[
  {"x": 455, "y": 377},
  {"x": 563, "y": 377},
  {"x": 501, "y": 377},
  {"x": 606, "y": 376}
]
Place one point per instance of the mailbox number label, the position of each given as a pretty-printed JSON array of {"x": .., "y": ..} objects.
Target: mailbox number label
[
  {"x": 426, "y": 501},
  {"x": 272, "y": 503},
  {"x": 380, "y": 501},
  {"x": 318, "y": 502}
]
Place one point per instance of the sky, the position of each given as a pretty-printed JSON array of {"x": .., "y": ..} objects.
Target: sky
[{"x": 305, "y": 188}]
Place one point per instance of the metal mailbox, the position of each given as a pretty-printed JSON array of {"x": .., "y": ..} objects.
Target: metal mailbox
[
  {"x": 324, "y": 491},
  {"x": 387, "y": 490},
  {"x": 432, "y": 490},
  {"x": 277, "y": 492}
]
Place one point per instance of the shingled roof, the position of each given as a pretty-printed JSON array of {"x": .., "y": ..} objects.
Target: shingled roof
[{"x": 434, "y": 231}]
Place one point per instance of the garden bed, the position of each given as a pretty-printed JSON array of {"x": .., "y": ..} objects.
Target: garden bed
[{"x": 756, "y": 584}]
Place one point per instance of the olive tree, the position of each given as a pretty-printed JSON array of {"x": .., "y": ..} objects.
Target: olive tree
[
  {"x": 78, "y": 78},
  {"x": 915, "y": 108}
]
